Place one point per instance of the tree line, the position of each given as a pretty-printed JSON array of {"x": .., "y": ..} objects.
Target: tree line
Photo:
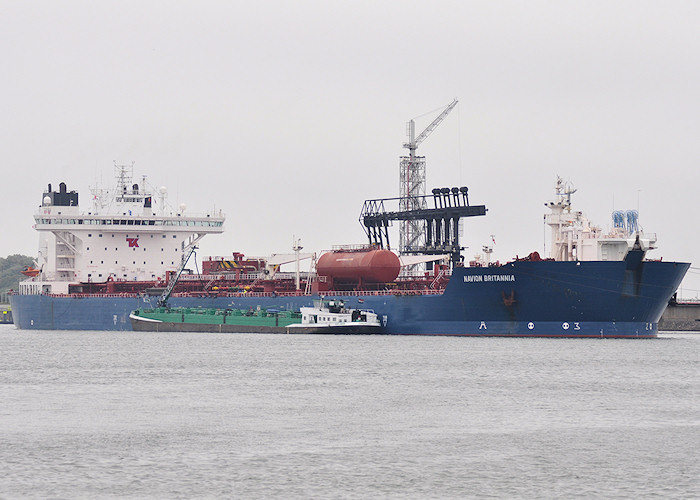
[{"x": 11, "y": 271}]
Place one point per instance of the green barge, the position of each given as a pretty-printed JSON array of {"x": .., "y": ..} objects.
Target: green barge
[{"x": 196, "y": 319}]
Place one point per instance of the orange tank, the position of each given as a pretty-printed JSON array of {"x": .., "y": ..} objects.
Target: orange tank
[{"x": 374, "y": 266}]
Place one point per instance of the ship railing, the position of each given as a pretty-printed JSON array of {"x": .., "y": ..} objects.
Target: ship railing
[
  {"x": 199, "y": 277},
  {"x": 328, "y": 293},
  {"x": 243, "y": 277},
  {"x": 364, "y": 293},
  {"x": 355, "y": 247},
  {"x": 425, "y": 275},
  {"x": 199, "y": 220},
  {"x": 622, "y": 235},
  {"x": 221, "y": 277},
  {"x": 207, "y": 277},
  {"x": 99, "y": 295},
  {"x": 290, "y": 276}
]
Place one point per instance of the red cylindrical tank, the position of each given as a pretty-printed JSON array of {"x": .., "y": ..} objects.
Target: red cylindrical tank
[{"x": 375, "y": 266}]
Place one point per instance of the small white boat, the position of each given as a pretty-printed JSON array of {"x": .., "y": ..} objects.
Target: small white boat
[{"x": 331, "y": 316}]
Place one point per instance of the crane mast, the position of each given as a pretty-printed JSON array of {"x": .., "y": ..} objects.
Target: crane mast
[{"x": 412, "y": 184}]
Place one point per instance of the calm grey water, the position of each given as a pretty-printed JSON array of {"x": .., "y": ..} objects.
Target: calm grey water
[{"x": 148, "y": 415}]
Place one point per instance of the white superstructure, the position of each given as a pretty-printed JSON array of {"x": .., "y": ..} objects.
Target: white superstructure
[
  {"x": 575, "y": 238},
  {"x": 126, "y": 236},
  {"x": 333, "y": 313}
]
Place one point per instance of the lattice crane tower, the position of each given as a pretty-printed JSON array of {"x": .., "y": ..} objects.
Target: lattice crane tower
[{"x": 412, "y": 185}]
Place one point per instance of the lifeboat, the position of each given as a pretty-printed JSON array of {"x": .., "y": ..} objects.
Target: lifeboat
[{"x": 30, "y": 271}]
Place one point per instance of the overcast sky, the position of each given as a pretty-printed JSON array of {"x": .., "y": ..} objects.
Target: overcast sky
[{"x": 288, "y": 115}]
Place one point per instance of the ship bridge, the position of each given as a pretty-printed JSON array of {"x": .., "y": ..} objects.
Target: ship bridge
[{"x": 121, "y": 237}]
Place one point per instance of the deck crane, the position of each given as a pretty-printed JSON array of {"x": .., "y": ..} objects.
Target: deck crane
[
  {"x": 413, "y": 143},
  {"x": 412, "y": 184},
  {"x": 163, "y": 299}
]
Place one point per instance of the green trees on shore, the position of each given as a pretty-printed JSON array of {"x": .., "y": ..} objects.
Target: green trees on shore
[{"x": 11, "y": 271}]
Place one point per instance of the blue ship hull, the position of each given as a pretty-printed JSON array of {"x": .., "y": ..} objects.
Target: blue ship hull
[{"x": 523, "y": 299}]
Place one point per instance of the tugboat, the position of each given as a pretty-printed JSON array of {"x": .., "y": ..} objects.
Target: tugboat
[{"x": 332, "y": 317}]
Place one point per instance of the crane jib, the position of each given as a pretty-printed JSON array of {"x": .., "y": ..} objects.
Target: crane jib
[{"x": 163, "y": 299}]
